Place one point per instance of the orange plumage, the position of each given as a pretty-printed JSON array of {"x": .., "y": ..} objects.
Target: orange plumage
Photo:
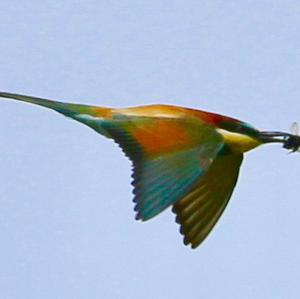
[{"x": 185, "y": 158}]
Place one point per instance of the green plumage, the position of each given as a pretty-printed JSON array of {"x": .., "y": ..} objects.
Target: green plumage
[{"x": 183, "y": 157}]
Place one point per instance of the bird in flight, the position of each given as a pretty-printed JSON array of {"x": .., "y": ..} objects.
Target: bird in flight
[{"x": 185, "y": 158}]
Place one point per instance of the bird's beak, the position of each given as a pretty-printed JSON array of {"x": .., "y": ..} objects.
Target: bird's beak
[
  {"x": 267, "y": 136},
  {"x": 289, "y": 141}
]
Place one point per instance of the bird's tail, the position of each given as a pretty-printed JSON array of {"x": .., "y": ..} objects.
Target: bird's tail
[
  {"x": 89, "y": 115},
  {"x": 64, "y": 108}
]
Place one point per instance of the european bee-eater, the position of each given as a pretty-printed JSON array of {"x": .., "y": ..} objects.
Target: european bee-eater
[{"x": 185, "y": 158}]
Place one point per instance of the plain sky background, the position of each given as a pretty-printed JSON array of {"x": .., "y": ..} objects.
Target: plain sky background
[{"x": 67, "y": 227}]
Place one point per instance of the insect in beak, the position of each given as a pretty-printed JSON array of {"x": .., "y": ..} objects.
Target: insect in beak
[{"x": 292, "y": 141}]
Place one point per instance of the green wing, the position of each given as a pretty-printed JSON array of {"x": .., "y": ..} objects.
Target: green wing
[
  {"x": 170, "y": 148},
  {"x": 200, "y": 209},
  {"x": 169, "y": 156}
]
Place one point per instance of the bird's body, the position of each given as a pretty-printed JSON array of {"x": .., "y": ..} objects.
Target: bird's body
[{"x": 182, "y": 157}]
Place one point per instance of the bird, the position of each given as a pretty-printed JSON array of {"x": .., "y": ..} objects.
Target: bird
[{"x": 183, "y": 158}]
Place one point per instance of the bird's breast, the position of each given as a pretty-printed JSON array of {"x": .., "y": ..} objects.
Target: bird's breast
[{"x": 238, "y": 143}]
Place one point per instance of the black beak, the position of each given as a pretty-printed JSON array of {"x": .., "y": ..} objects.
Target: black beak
[{"x": 289, "y": 141}]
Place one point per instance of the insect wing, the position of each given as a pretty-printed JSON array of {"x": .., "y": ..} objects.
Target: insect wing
[{"x": 295, "y": 128}]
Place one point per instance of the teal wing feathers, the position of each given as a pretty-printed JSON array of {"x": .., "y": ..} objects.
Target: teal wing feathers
[{"x": 164, "y": 170}]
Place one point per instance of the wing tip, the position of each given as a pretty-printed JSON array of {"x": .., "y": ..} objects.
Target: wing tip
[
  {"x": 186, "y": 239},
  {"x": 139, "y": 216}
]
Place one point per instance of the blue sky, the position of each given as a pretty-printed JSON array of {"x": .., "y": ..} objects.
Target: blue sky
[{"x": 67, "y": 225}]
